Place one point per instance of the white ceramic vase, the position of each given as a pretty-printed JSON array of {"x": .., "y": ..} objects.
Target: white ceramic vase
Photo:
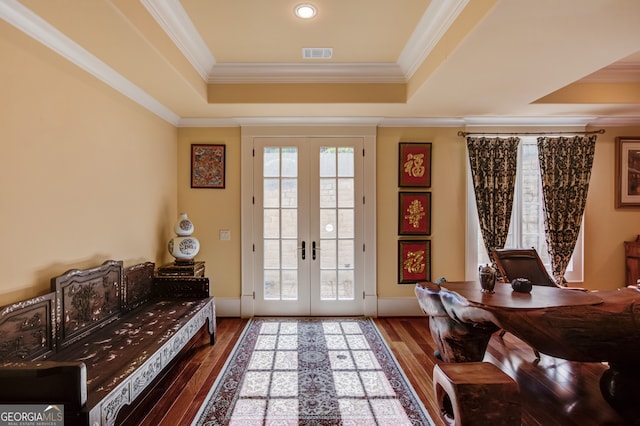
[
  {"x": 183, "y": 226},
  {"x": 184, "y": 246}
]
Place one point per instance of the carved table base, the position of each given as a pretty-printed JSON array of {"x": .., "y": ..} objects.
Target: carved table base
[{"x": 567, "y": 324}]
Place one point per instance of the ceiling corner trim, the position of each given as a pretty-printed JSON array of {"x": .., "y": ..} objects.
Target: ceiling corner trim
[
  {"x": 558, "y": 121},
  {"x": 421, "y": 122},
  {"x": 40, "y": 30},
  {"x": 173, "y": 19},
  {"x": 208, "y": 122},
  {"x": 308, "y": 121},
  {"x": 439, "y": 16},
  {"x": 306, "y": 73}
]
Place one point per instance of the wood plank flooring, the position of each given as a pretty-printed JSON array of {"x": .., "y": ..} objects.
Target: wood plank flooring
[{"x": 553, "y": 391}]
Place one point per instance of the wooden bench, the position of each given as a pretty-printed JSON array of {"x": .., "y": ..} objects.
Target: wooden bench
[{"x": 99, "y": 338}]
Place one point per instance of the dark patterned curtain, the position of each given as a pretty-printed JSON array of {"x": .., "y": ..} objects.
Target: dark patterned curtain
[
  {"x": 565, "y": 169},
  {"x": 493, "y": 164}
]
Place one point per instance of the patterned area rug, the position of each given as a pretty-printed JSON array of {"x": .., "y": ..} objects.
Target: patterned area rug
[{"x": 312, "y": 372}]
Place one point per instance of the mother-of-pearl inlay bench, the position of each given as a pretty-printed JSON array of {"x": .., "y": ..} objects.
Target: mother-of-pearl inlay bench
[{"x": 99, "y": 338}]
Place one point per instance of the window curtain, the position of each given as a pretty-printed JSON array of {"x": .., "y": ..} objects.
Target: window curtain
[
  {"x": 493, "y": 163},
  {"x": 565, "y": 170}
]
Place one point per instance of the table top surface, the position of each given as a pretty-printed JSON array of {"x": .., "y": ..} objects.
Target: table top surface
[{"x": 505, "y": 297}]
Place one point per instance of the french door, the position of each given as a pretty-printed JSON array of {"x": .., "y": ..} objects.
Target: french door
[{"x": 307, "y": 246}]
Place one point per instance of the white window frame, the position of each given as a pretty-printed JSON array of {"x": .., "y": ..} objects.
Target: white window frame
[{"x": 575, "y": 270}]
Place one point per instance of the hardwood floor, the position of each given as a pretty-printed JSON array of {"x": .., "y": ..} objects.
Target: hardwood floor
[{"x": 553, "y": 391}]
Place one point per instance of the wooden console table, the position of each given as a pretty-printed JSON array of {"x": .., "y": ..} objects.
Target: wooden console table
[{"x": 569, "y": 324}]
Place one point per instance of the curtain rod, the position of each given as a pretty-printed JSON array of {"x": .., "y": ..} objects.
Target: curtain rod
[{"x": 586, "y": 132}]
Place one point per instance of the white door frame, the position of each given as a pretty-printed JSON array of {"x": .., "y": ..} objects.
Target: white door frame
[{"x": 368, "y": 133}]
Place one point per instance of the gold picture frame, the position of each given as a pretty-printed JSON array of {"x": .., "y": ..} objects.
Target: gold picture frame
[{"x": 627, "y": 171}]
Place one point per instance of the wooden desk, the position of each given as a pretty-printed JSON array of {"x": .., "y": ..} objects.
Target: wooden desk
[
  {"x": 505, "y": 298},
  {"x": 564, "y": 323}
]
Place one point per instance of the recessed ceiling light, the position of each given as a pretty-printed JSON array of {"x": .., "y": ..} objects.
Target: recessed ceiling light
[{"x": 305, "y": 11}]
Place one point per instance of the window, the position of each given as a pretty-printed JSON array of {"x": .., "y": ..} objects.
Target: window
[{"x": 527, "y": 218}]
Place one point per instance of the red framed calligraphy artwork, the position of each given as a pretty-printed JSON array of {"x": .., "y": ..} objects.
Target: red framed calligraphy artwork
[
  {"x": 414, "y": 261},
  {"x": 414, "y": 213},
  {"x": 415, "y": 165}
]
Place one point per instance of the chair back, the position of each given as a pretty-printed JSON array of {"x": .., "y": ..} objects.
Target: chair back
[{"x": 522, "y": 263}]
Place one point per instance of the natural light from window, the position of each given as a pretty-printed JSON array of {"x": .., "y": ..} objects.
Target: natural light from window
[{"x": 527, "y": 219}]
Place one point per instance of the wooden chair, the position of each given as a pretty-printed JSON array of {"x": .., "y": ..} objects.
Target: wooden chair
[{"x": 522, "y": 263}]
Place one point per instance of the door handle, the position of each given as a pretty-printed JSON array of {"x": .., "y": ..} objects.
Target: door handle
[
  {"x": 313, "y": 250},
  {"x": 304, "y": 250}
]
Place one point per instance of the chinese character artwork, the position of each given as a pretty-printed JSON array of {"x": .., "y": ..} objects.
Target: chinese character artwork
[
  {"x": 414, "y": 261},
  {"x": 415, "y": 165},
  {"x": 414, "y": 215}
]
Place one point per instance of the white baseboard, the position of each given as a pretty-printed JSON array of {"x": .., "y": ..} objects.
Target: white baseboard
[
  {"x": 227, "y": 306},
  {"x": 399, "y": 307},
  {"x": 387, "y": 307}
]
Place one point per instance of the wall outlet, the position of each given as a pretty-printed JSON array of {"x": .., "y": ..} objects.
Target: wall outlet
[{"x": 225, "y": 235}]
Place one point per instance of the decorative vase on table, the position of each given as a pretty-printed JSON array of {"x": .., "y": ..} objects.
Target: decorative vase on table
[
  {"x": 487, "y": 275},
  {"x": 184, "y": 247}
]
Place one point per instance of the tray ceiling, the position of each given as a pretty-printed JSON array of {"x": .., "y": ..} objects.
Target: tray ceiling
[{"x": 455, "y": 61}]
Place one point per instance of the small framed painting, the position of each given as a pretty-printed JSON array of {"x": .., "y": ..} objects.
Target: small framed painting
[
  {"x": 207, "y": 166},
  {"x": 414, "y": 261},
  {"x": 414, "y": 213},
  {"x": 415, "y": 165},
  {"x": 628, "y": 172}
]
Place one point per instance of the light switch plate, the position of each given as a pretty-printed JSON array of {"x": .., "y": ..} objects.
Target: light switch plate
[{"x": 225, "y": 235}]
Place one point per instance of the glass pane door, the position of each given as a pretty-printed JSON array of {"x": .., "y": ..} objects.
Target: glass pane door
[{"x": 307, "y": 208}]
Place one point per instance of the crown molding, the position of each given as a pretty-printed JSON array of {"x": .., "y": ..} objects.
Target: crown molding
[
  {"x": 307, "y": 73},
  {"x": 466, "y": 122},
  {"x": 22, "y": 18},
  {"x": 279, "y": 121},
  {"x": 528, "y": 121},
  {"x": 208, "y": 122},
  {"x": 308, "y": 121},
  {"x": 37, "y": 28},
  {"x": 615, "y": 121},
  {"x": 173, "y": 19},
  {"x": 439, "y": 16},
  {"x": 421, "y": 122}
]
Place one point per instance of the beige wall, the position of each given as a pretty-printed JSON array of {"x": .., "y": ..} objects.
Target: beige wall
[
  {"x": 211, "y": 210},
  {"x": 448, "y": 188},
  {"x": 86, "y": 175},
  {"x": 214, "y": 209},
  {"x": 606, "y": 228}
]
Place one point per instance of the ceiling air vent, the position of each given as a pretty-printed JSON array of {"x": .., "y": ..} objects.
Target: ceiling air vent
[{"x": 317, "y": 52}]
